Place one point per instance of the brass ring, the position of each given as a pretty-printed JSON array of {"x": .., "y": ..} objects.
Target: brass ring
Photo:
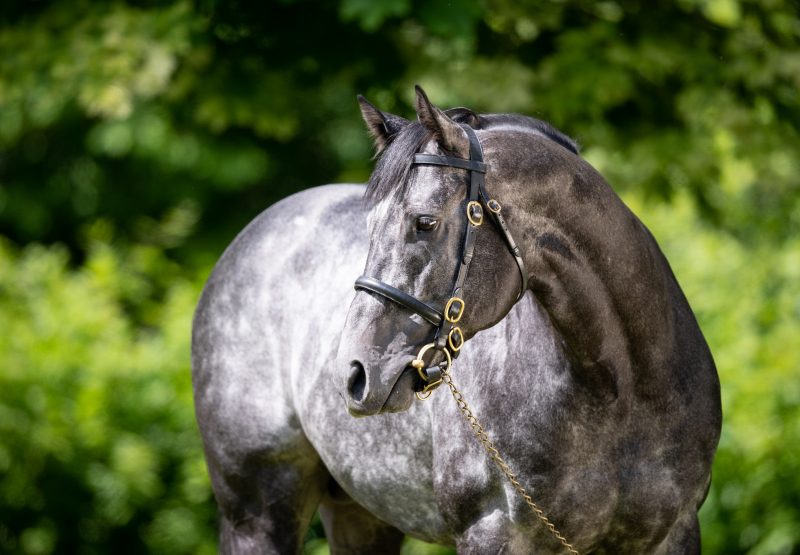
[
  {"x": 419, "y": 364},
  {"x": 449, "y": 305},
  {"x": 494, "y": 206},
  {"x": 475, "y": 220},
  {"x": 421, "y": 395},
  {"x": 422, "y": 352},
  {"x": 429, "y": 386},
  {"x": 453, "y": 347}
]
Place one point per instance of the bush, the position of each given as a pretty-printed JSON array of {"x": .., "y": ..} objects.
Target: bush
[{"x": 99, "y": 450}]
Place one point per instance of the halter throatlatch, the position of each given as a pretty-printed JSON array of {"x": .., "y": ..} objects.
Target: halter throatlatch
[{"x": 448, "y": 337}]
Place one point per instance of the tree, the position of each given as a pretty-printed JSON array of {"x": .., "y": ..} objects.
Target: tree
[{"x": 136, "y": 138}]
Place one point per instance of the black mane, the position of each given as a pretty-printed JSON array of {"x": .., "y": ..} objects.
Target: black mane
[
  {"x": 394, "y": 162},
  {"x": 497, "y": 120}
]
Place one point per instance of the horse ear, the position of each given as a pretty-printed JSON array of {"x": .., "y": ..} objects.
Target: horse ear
[
  {"x": 448, "y": 133},
  {"x": 381, "y": 126}
]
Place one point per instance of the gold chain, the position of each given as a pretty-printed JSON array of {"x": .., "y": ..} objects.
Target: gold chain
[{"x": 483, "y": 437}]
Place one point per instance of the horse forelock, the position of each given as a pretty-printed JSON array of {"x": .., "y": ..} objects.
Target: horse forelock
[
  {"x": 390, "y": 175},
  {"x": 394, "y": 162}
]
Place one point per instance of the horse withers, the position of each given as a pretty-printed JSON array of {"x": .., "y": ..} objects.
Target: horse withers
[{"x": 486, "y": 241}]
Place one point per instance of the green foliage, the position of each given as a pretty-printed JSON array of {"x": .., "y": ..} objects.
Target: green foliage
[
  {"x": 223, "y": 103},
  {"x": 99, "y": 446},
  {"x": 136, "y": 138}
]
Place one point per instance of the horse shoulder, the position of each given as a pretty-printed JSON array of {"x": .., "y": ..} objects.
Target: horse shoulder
[{"x": 246, "y": 327}]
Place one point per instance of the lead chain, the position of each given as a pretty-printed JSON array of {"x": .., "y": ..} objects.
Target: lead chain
[{"x": 483, "y": 437}]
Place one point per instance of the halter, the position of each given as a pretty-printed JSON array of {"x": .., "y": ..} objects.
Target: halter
[{"x": 448, "y": 337}]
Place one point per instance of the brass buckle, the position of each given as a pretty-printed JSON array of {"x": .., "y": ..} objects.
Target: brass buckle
[
  {"x": 449, "y": 305},
  {"x": 475, "y": 206},
  {"x": 494, "y": 206},
  {"x": 455, "y": 347},
  {"x": 419, "y": 364}
]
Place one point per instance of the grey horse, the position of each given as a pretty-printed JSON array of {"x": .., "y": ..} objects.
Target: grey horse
[{"x": 595, "y": 384}]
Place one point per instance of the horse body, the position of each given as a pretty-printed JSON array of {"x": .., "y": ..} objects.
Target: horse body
[{"x": 618, "y": 460}]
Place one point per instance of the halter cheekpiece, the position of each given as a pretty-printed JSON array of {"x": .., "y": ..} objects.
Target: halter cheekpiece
[{"x": 448, "y": 337}]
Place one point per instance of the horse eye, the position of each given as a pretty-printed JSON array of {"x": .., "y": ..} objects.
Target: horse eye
[{"x": 426, "y": 223}]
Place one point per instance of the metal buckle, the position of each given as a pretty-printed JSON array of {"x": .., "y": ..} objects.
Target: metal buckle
[
  {"x": 455, "y": 347},
  {"x": 494, "y": 206},
  {"x": 475, "y": 218},
  {"x": 449, "y": 305},
  {"x": 419, "y": 364}
]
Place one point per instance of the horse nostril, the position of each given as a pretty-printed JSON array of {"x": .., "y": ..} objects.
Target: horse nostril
[{"x": 357, "y": 382}]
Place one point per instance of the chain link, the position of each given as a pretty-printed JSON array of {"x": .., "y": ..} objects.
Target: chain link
[{"x": 483, "y": 437}]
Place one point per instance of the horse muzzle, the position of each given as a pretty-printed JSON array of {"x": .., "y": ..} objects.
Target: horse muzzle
[
  {"x": 418, "y": 378},
  {"x": 365, "y": 396}
]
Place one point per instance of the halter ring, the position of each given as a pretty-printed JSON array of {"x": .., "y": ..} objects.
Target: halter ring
[{"x": 419, "y": 364}]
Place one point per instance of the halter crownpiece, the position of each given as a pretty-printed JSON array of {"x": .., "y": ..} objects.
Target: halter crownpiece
[{"x": 448, "y": 337}]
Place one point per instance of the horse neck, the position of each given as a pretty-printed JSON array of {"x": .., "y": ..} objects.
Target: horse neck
[{"x": 600, "y": 276}]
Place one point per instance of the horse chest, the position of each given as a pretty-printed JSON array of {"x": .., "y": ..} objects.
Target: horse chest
[{"x": 423, "y": 470}]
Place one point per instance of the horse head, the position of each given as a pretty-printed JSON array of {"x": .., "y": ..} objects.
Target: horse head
[{"x": 437, "y": 271}]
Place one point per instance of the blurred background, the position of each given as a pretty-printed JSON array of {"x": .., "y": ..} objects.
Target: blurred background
[{"x": 136, "y": 140}]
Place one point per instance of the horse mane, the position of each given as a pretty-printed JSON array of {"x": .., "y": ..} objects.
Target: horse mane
[
  {"x": 541, "y": 127},
  {"x": 395, "y": 160}
]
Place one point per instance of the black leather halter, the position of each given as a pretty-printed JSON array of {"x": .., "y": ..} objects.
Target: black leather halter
[{"x": 448, "y": 334}]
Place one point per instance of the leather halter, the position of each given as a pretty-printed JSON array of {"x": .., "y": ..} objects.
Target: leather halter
[{"x": 448, "y": 336}]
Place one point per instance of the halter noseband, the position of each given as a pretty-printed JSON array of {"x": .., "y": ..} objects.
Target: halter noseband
[{"x": 448, "y": 336}]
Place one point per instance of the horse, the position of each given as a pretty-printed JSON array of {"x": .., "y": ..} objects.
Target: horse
[{"x": 493, "y": 258}]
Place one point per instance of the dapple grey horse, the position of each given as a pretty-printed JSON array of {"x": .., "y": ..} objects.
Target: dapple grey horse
[{"x": 595, "y": 385}]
